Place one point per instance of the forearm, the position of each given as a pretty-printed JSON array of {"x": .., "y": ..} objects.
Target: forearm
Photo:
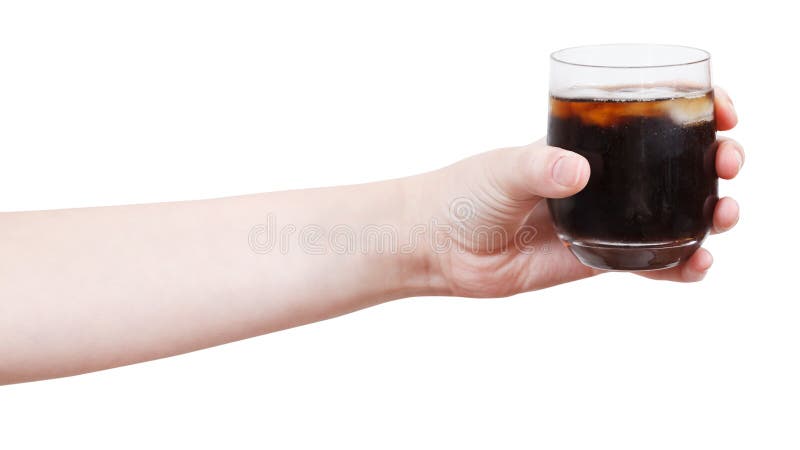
[{"x": 88, "y": 289}]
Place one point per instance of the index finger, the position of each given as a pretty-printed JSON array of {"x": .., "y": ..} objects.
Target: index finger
[{"x": 724, "y": 112}]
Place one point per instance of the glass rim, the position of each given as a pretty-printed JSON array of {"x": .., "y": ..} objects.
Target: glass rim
[{"x": 704, "y": 56}]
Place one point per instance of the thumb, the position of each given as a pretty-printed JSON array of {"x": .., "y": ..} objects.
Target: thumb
[{"x": 538, "y": 170}]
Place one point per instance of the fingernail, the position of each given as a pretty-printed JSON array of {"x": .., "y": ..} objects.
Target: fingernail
[
  {"x": 730, "y": 103},
  {"x": 739, "y": 158},
  {"x": 706, "y": 262},
  {"x": 567, "y": 170}
]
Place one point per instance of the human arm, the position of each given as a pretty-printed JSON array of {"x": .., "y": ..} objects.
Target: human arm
[{"x": 95, "y": 288}]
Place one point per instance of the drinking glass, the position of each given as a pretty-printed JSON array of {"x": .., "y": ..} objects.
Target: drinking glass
[{"x": 643, "y": 116}]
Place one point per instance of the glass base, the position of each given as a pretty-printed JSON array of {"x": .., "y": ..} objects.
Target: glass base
[{"x": 629, "y": 257}]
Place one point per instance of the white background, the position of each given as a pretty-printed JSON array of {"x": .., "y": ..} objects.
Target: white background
[{"x": 126, "y": 102}]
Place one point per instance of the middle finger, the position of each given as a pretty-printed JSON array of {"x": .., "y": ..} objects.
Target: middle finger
[{"x": 729, "y": 159}]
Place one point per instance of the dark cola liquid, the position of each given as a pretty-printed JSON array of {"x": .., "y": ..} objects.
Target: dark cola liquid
[{"x": 653, "y": 186}]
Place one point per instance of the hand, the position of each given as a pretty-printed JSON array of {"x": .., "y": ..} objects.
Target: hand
[{"x": 499, "y": 194}]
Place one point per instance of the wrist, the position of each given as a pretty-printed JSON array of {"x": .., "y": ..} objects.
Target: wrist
[{"x": 418, "y": 264}]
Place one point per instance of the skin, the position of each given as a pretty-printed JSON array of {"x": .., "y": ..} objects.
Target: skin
[
  {"x": 510, "y": 183},
  {"x": 94, "y": 288}
]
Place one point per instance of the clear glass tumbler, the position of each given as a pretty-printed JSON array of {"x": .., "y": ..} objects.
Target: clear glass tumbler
[{"x": 643, "y": 116}]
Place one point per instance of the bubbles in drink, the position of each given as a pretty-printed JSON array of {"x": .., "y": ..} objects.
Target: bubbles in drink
[{"x": 604, "y": 106}]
